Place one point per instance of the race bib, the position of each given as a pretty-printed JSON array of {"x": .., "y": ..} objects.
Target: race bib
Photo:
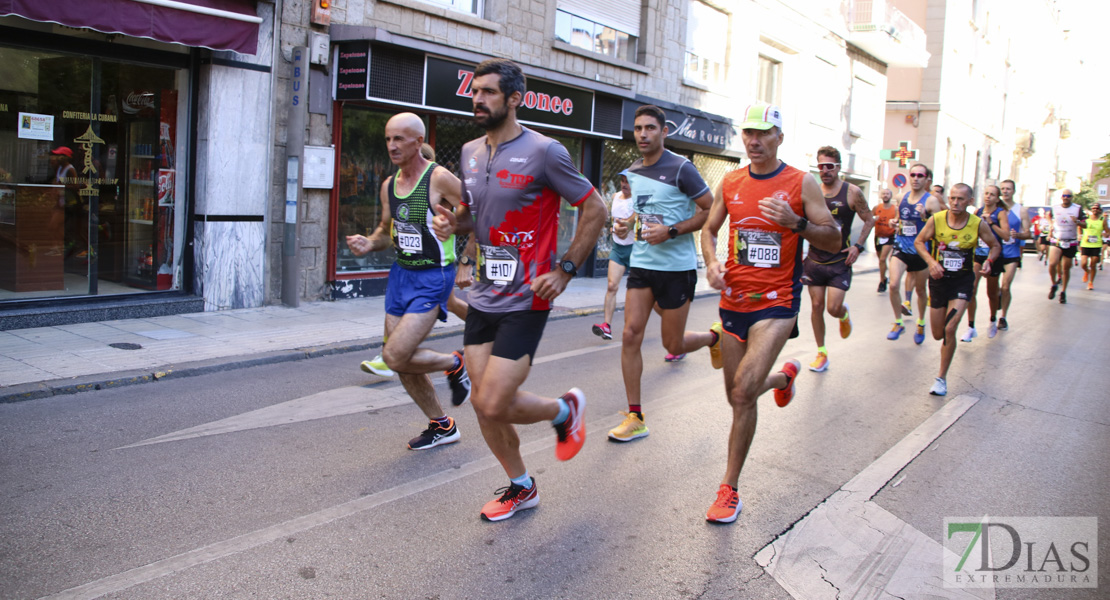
[
  {"x": 644, "y": 219},
  {"x": 884, "y": 240},
  {"x": 409, "y": 239},
  {"x": 909, "y": 229},
  {"x": 1065, "y": 244},
  {"x": 1093, "y": 239},
  {"x": 952, "y": 261},
  {"x": 754, "y": 248},
  {"x": 497, "y": 265}
]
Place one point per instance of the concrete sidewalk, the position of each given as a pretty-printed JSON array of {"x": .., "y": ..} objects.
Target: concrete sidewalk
[{"x": 65, "y": 359}]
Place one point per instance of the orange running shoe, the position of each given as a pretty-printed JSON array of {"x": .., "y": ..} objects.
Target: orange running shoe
[
  {"x": 846, "y": 324},
  {"x": 513, "y": 498},
  {"x": 727, "y": 507},
  {"x": 785, "y": 395},
  {"x": 572, "y": 432}
]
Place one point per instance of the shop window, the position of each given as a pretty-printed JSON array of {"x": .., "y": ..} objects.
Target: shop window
[
  {"x": 596, "y": 29},
  {"x": 91, "y": 185},
  {"x": 706, "y": 44},
  {"x": 473, "y": 7}
]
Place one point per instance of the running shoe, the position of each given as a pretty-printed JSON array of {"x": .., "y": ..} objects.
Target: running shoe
[
  {"x": 632, "y": 428},
  {"x": 715, "y": 350},
  {"x": 727, "y": 507},
  {"x": 377, "y": 367},
  {"x": 786, "y": 394},
  {"x": 572, "y": 432},
  {"x": 919, "y": 334},
  {"x": 602, "y": 330},
  {"x": 882, "y": 286},
  {"x": 513, "y": 498},
  {"x": 435, "y": 435},
  {"x": 674, "y": 357},
  {"x": 895, "y": 331},
  {"x": 846, "y": 324},
  {"x": 993, "y": 330},
  {"x": 940, "y": 387},
  {"x": 907, "y": 309},
  {"x": 1002, "y": 324},
  {"x": 1085, "y": 276},
  {"x": 969, "y": 335},
  {"x": 1090, "y": 286},
  {"x": 1063, "y": 297},
  {"x": 1052, "y": 292},
  {"x": 819, "y": 364},
  {"x": 459, "y": 381}
]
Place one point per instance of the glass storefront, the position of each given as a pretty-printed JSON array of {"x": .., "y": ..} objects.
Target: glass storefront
[{"x": 91, "y": 181}]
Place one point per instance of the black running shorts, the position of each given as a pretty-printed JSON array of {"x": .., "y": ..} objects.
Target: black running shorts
[
  {"x": 914, "y": 263},
  {"x": 997, "y": 265},
  {"x": 1091, "y": 251},
  {"x": 836, "y": 275},
  {"x": 950, "y": 287},
  {"x": 671, "y": 289},
  {"x": 514, "y": 334},
  {"x": 739, "y": 323}
]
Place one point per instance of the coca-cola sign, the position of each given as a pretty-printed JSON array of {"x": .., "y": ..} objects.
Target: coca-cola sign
[{"x": 138, "y": 101}]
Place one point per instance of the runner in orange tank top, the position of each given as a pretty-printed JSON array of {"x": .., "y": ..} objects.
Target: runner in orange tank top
[{"x": 767, "y": 204}]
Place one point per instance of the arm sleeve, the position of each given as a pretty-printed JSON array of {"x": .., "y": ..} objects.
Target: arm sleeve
[
  {"x": 563, "y": 177},
  {"x": 690, "y": 181}
]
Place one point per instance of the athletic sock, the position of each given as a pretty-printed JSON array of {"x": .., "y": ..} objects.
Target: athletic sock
[
  {"x": 921, "y": 322},
  {"x": 823, "y": 349},
  {"x": 716, "y": 336},
  {"x": 524, "y": 481},
  {"x": 458, "y": 362},
  {"x": 564, "y": 412},
  {"x": 898, "y": 321},
  {"x": 444, "y": 421},
  {"x": 971, "y": 324},
  {"x": 993, "y": 319},
  {"x": 636, "y": 410}
]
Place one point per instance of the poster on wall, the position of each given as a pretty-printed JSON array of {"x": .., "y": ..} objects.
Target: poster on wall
[{"x": 36, "y": 127}]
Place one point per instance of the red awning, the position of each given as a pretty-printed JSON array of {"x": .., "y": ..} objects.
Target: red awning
[{"x": 216, "y": 24}]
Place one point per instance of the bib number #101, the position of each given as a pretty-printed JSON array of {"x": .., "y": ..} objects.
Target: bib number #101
[
  {"x": 760, "y": 249},
  {"x": 497, "y": 265}
]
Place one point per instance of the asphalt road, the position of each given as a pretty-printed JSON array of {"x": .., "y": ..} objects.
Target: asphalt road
[{"x": 293, "y": 480}]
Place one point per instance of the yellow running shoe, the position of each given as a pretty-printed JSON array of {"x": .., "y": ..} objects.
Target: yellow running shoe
[
  {"x": 632, "y": 428},
  {"x": 715, "y": 350},
  {"x": 819, "y": 364}
]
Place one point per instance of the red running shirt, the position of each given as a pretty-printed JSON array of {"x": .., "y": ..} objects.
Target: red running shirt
[{"x": 764, "y": 260}]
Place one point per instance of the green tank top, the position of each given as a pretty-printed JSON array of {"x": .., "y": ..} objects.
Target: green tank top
[
  {"x": 416, "y": 244},
  {"x": 1092, "y": 234}
]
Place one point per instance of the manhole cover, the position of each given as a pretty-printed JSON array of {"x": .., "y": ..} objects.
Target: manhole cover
[{"x": 126, "y": 346}]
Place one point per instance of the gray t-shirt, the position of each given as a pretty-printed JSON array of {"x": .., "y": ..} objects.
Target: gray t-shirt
[{"x": 514, "y": 198}]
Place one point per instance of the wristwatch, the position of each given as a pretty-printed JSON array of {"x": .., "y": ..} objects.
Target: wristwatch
[
  {"x": 802, "y": 224},
  {"x": 672, "y": 231},
  {"x": 466, "y": 261},
  {"x": 859, "y": 246},
  {"x": 568, "y": 267}
]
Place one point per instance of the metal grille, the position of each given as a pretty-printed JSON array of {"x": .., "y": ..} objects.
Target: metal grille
[
  {"x": 396, "y": 75},
  {"x": 450, "y": 135},
  {"x": 617, "y": 156},
  {"x": 607, "y": 115},
  {"x": 713, "y": 169}
]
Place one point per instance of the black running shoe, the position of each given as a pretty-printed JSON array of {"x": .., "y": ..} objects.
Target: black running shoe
[
  {"x": 435, "y": 435},
  {"x": 459, "y": 381},
  {"x": 882, "y": 286},
  {"x": 1002, "y": 324},
  {"x": 1052, "y": 292},
  {"x": 1063, "y": 297}
]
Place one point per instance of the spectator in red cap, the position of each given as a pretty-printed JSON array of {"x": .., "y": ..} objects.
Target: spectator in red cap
[{"x": 68, "y": 200}]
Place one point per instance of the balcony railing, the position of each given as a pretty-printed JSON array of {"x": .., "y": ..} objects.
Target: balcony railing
[{"x": 887, "y": 34}]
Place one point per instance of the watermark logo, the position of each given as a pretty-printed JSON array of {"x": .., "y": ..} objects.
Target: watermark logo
[{"x": 1021, "y": 552}]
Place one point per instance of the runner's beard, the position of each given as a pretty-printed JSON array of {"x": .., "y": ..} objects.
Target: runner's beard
[{"x": 492, "y": 119}]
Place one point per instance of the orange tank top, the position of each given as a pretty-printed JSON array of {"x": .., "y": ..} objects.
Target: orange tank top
[
  {"x": 764, "y": 260},
  {"x": 886, "y": 218}
]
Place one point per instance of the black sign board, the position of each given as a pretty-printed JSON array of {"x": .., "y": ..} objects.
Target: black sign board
[
  {"x": 447, "y": 86},
  {"x": 352, "y": 71},
  {"x": 685, "y": 129}
]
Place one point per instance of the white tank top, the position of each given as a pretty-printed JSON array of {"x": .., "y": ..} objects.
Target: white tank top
[{"x": 1065, "y": 222}]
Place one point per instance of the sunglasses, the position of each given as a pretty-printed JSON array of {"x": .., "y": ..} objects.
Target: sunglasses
[
  {"x": 1065, "y": 195},
  {"x": 917, "y": 175},
  {"x": 828, "y": 166}
]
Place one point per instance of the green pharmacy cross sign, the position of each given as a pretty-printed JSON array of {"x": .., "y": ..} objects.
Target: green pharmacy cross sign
[{"x": 902, "y": 154}]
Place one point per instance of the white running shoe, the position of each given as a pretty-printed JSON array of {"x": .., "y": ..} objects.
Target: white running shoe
[
  {"x": 970, "y": 334},
  {"x": 993, "y": 331},
  {"x": 940, "y": 387}
]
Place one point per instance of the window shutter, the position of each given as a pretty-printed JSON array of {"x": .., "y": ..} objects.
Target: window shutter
[{"x": 622, "y": 15}]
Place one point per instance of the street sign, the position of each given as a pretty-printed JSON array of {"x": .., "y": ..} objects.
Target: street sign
[
  {"x": 902, "y": 154},
  {"x": 899, "y": 181}
]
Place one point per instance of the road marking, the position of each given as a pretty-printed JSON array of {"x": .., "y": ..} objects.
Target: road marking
[
  {"x": 851, "y": 547},
  {"x": 331, "y": 403}
]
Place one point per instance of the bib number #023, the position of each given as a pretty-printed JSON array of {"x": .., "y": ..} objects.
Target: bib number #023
[{"x": 409, "y": 239}]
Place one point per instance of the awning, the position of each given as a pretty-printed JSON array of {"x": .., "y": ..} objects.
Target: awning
[{"x": 216, "y": 24}]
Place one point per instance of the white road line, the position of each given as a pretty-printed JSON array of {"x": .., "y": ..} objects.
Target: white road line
[
  {"x": 331, "y": 403},
  {"x": 851, "y": 547}
]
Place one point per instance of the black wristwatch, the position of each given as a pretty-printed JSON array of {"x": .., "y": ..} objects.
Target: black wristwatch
[
  {"x": 802, "y": 224},
  {"x": 568, "y": 267},
  {"x": 672, "y": 231},
  {"x": 859, "y": 246},
  {"x": 465, "y": 261}
]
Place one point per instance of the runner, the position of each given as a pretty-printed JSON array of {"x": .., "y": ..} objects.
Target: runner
[
  {"x": 938, "y": 191},
  {"x": 1044, "y": 230},
  {"x": 770, "y": 207},
  {"x": 422, "y": 277},
  {"x": 954, "y": 234},
  {"x": 829, "y": 274},
  {"x": 513, "y": 180},
  {"x": 994, "y": 213},
  {"x": 916, "y": 206},
  {"x": 1090, "y": 246},
  {"x": 671, "y": 200},
  {"x": 1067, "y": 218},
  {"x": 455, "y": 306},
  {"x": 621, "y": 212},
  {"x": 1011, "y": 249},
  {"x": 886, "y": 221}
]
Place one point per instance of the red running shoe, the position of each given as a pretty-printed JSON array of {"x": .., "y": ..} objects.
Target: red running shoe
[
  {"x": 786, "y": 394},
  {"x": 513, "y": 498},
  {"x": 572, "y": 432}
]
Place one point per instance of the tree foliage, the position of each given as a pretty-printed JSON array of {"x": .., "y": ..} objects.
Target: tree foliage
[{"x": 1103, "y": 169}]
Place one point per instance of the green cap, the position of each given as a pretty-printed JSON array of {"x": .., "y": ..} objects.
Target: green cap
[{"x": 762, "y": 116}]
